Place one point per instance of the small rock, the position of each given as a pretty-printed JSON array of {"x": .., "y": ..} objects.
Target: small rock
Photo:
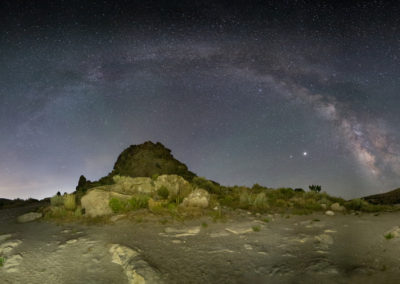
[
  {"x": 28, "y": 217},
  {"x": 330, "y": 213},
  {"x": 239, "y": 231},
  {"x": 393, "y": 232},
  {"x": 7, "y": 247},
  {"x": 5, "y": 237},
  {"x": 324, "y": 239},
  {"x": 71, "y": 241},
  {"x": 176, "y": 241},
  {"x": 248, "y": 247},
  {"x": 12, "y": 262},
  {"x": 337, "y": 207}
]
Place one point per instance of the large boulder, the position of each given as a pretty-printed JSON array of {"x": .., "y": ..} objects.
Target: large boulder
[
  {"x": 129, "y": 185},
  {"x": 29, "y": 217},
  {"x": 199, "y": 198},
  {"x": 176, "y": 185},
  {"x": 96, "y": 202},
  {"x": 337, "y": 207}
]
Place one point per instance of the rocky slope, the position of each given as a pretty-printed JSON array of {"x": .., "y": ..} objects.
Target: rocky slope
[
  {"x": 145, "y": 160},
  {"x": 391, "y": 197}
]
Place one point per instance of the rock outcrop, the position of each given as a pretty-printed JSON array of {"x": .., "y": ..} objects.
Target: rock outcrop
[
  {"x": 198, "y": 198},
  {"x": 96, "y": 201},
  {"x": 145, "y": 160},
  {"x": 391, "y": 197},
  {"x": 29, "y": 217}
]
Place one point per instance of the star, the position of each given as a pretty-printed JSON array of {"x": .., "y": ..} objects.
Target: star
[{"x": 305, "y": 154}]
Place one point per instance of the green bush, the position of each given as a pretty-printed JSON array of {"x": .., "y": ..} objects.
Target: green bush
[
  {"x": 117, "y": 205},
  {"x": 2, "y": 261},
  {"x": 286, "y": 193},
  {"x": 206, "y": 184},
  {"x": 138, "y": 202},
  {"x": 244, "y": 200},
  {"x": 57, "y": 200},
  {"x": 163, "y": 192},
  {"x": 316, "y": 188},
  {"x": 69, "y": 202},
  {"x": 260, "y": 202}
]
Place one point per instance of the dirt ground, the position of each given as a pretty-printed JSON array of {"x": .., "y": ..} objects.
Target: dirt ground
[{"x": 242, "y": 249}]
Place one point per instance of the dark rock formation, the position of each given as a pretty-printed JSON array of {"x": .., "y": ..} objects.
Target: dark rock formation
[
  {"x": 391, "y": 197},
  {"x": 145, "y": 160}
]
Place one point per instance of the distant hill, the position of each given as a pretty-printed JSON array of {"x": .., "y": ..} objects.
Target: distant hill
[
  {"x": 391, "y": 197},
  {"x": 143, "y": 160},
  {"x": 11, "y": 203}
]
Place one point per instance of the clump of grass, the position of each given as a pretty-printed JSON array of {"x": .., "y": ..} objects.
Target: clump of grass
[
  {"x": 244, "y": 200},
  {"x": 163, "y": 192},
  {"x": 78, "y": 211},
  {"x": 389, "y": 236},
  {"x": 256, "y": 228},
  {"x": 265, "y": 220},
  {"x": 57, "y": 200},
  {"x": 260, "y": 202},
  {"x": 2, "y": 261},
  {"x": 316, "y": 220},
  {"x": 70, "y": 202},
  {"x": 117, "y": 205},
  {"x": 138, "y": 202},
  {"x": 204, "y": 225}
]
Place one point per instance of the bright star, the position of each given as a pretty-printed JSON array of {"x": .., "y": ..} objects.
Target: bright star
[{"x": 305, "y": 154}]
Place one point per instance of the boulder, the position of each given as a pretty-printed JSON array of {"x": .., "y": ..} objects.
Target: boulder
[
  {"x": 198, "y": 198},
  {"x": 393, "y": 232},
  {"x": 137, "y": 270},
  {"x": 337, "y": 207},
  {"x": 330, "y": 213},
  {"x": 29, "y": 217},
  {"x": 96, "y": 203},
  {"x": 175, "y": 184},
  {"x": 129, "y": 185}
]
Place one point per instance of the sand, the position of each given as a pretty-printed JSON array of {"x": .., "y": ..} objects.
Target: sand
[{"x": 244, "y": 249}]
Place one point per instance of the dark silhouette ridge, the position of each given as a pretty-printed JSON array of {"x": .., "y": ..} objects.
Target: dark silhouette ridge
[{"x": 144, "y": 160}]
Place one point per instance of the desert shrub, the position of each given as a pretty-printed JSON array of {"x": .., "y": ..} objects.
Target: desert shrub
[
  {"x": 256, "y": 188},
  {"x": 78, "y": 211},
  {"x": 163, "y": 192},
  {"x": 57, "y": 200},
  {"x": 155, "y": 206},
  {"x": 117, "y": 205},
  {"x": 2, "y": 261},
  {"x": 69, "y": 202},
  {"x": 244, "y": 200},
  {"x": 256, "y": 228},
  {"x": 389, "y": 236},
  {"x": 362, "y": 205},
  {"x": 316, "y": 188},
  {"x": 299, "y": 190},
  {"x": 206, "y": 184},
  {"x": 312, "y": 204},
  {"x": 280, "y": 203},
  {"x": 57, "y": 212},
  {"x": 260, "y": 202},
  {"x": 138, "y": 202},
  {"x": 286, "y": 193}
]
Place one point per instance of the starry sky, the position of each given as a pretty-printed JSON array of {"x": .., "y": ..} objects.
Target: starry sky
[{"x": 280, "y": 93}]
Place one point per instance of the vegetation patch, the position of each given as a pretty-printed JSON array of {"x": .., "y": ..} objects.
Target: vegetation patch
[
  {"x": 389, "y": 236},
  {"x": 2, "y": 261},
  {"x": 256, "y": 228}
]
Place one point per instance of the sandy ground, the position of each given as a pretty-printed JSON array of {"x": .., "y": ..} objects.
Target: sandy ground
[{"x": 300, "y": 249}]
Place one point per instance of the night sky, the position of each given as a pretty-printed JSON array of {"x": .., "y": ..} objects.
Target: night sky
[{"x": 280, "y": 93}]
